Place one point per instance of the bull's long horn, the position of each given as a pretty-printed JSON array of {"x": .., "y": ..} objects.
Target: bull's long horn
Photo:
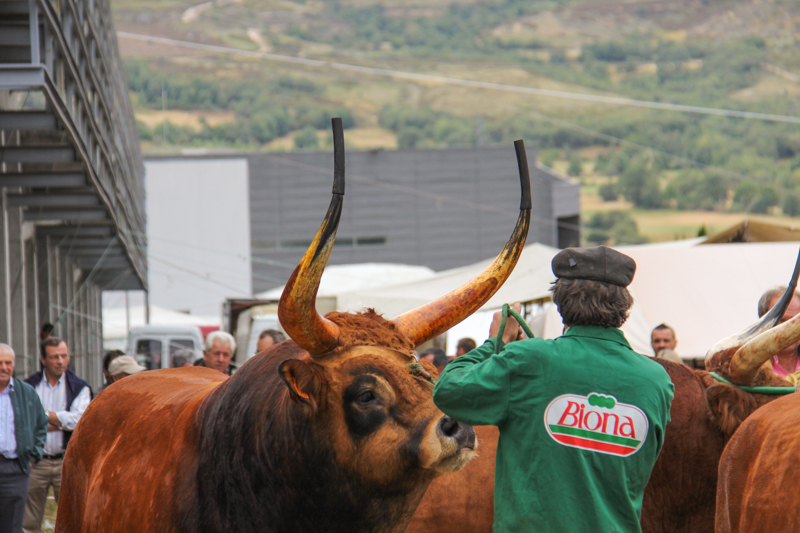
[
  {"x": 748, "y": 360},
  {"x": 296, "y": 311},
  {"x": 763, "y": 324},
  {"x": 440, "y": 315}
]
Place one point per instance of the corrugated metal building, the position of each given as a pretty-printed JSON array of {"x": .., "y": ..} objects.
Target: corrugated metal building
[
  {"x": 438, "y": 208},
  {"x": 71, "y": 178}
]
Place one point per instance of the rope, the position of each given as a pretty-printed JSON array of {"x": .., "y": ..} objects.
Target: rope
[
  {"x": 419, "y": 371},
  {"x": 754, "y": 390},
  {"x": 521, "y": 321}
]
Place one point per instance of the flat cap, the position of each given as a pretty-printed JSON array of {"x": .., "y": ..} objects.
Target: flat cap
[{"x": 599, "y": 264}]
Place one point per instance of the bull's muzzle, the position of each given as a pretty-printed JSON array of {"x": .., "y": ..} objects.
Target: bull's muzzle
[
  {"x": 463, "y": 434},
  {"x": 458, "y": 444}
]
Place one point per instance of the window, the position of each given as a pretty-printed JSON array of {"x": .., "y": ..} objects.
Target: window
[{"x": 148, "y": 353}]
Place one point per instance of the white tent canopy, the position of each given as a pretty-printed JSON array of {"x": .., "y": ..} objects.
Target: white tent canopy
[
  {"x": 337, "y": 279},
  {"x": 704, "y": 292}
]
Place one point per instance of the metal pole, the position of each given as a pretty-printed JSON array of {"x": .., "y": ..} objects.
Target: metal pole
[
  {"x": 7, "y": 268},
  {"x": 164, "y": 111},
  {"x": 127, "y": 313},
  {"x": 34, "y": 23}
]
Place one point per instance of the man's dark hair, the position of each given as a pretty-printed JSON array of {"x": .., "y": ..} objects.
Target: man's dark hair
[
  {"x": 110, "y": 356},
  {"x": 588, "y": 302},
  {"x": 439, "y": 357},
  {"x": 49, "y": 341},
  {"x": 276, "y": 335},
  {"x": 766, "y": 298},
  {"x": 47, "y": 327},
  {"x": 466, "y": 345},
  {"x": 661, "y": 327}
]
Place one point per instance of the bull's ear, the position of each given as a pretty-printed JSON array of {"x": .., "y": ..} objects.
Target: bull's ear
[
  {"x": 302, "y": 382},
  {"x": 729, "y": 407}
]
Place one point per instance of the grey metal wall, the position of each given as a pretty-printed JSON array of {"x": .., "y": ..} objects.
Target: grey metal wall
[{"x": 439, "y": 208}]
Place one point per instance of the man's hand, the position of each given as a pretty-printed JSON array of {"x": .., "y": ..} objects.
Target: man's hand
[
  {"x": 51, "y": 427},
  {"x": 513, "y": 331},
  {"x": 54, "y": 421}
]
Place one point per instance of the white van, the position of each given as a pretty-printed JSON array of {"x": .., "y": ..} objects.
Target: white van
[
  {"x": 249, "y": 325},
  {"x": 154, "y": 346}
]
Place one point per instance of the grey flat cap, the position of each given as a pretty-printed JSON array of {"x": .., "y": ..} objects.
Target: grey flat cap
[{"x": 599, "y": 264}]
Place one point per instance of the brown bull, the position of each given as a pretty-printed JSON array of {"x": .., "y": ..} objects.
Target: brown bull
[
  {"x": 759, "y": 470},
  {"x": 681, "y": 493},
  {"x": 332, "y": 431}
]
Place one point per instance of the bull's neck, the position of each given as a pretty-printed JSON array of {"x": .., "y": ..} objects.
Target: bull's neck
[{"x": 274, "y": 470}]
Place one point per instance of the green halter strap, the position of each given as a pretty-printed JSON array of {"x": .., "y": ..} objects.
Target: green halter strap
[
  {"x": 754, "y": 390},
  {"x": 521, "y": 321}
]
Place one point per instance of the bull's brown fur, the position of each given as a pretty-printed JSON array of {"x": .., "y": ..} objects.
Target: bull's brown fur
[
  {"x": 759, "y": 470},
  {"x": 369, "y": 329},
  {"x": 189, "y": 450}
]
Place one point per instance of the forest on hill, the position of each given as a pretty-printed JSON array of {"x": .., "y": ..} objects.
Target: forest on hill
[{"x": 734, "y": 55}]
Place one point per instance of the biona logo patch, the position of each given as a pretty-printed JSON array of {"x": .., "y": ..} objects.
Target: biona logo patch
[{"x": 598, "y": 423}]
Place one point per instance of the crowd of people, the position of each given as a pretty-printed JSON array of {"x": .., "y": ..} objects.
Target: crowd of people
[
  {"x": 39, "y": 414},
  {"x": 504, "y": 382}
]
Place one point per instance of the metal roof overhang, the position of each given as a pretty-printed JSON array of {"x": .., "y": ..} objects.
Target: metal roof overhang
[{"x": 70, "y": 206}]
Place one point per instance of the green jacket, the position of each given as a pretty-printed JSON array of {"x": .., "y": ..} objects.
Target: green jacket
[
  {"x": 30, "y": 424},
  {"x": 581, "y": 421}
]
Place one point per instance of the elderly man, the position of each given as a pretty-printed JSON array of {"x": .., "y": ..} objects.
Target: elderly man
[
  {"x": 267, "y": 338},
  {"x": 581, "y": 417},
  {"x": 64, "y": 397},
  {"x": 219, "y": 352},
  {"x": 182, "y": 357},
  {"x": 23, "y": 428},
  {"x": 785, "y": 362},
  {"x": 123, "y": 366}
]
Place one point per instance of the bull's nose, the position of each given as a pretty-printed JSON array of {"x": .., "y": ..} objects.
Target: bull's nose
[{"x": 463, "y": 434}]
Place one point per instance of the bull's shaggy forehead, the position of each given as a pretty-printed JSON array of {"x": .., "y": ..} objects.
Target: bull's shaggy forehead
[
  {"x": 369, "y": 329},
  {"x": 408, "y": 388}
]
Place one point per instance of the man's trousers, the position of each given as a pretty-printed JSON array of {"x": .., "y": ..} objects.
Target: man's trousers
[
  {"x": 44, "y": 474},
  {"x": 13, "y": 494}
]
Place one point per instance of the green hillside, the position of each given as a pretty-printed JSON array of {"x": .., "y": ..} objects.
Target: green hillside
[{"x": 735, "y": 55}]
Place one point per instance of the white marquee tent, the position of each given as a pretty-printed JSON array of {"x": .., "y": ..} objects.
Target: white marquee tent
[{"x": 704, "y": 292}]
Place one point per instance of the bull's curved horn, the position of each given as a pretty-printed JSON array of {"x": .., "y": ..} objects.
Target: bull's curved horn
[
  {"x": 748, "y": 360},
  {"x": 430, "y": 320},
  {"x": 755, "y": 350},
  {"x": 296, "y": 310}
]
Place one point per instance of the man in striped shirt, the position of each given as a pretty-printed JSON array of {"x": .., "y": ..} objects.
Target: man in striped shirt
[{"x": 64, "y": 397}]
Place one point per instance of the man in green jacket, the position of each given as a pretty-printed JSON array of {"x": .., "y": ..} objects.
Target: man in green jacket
[
  {"x": 23, "y": 430},
  {"x": 581, "y": 417}
]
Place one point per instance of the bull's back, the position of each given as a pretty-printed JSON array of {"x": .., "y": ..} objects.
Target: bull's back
[
  {"x": 759, "y": 470},
  {"x": 130, "y": 463}
]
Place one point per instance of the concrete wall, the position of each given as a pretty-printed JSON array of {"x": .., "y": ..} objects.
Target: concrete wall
[{"x": 198, "y": 233}]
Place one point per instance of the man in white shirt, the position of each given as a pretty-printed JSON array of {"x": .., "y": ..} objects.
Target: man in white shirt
[{"x": 64, "y": 397}]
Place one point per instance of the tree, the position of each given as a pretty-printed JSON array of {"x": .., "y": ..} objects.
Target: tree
[
  {"x": 608, "y": 192},
  {"x": 640, "y": 185},
  {"x": 574, "y": 167},
  {"x": 306, "y": 139}
]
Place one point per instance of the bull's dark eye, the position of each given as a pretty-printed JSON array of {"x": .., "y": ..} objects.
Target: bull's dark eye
[{"x": 365, "y": 398}]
